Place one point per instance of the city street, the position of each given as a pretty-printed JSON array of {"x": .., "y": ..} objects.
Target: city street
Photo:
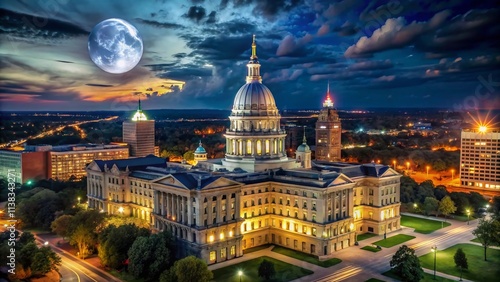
[{"x": 361, "y": 265}]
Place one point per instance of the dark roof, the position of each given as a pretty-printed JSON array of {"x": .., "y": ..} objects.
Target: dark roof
[
  {"x": 353, "y": 169},
  {"x": 133, "y": 163}
]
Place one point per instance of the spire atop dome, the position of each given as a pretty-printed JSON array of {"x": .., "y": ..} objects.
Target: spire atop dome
[
  {"x": 303, "y": 147},
  {"x": 328, "y": 103},
  {"x": 253, "y": 66},
  {"x": 139, "y": 115},
  {"x": 254, "y": 49},
  {"x": 304, "y": 140}
]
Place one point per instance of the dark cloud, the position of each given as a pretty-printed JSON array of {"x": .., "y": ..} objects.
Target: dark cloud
[
  {"x": 99, "y": 85},
  {"x": 161, "y": 67},
  {"x": 347, "y": 29},
  {"x": 211, "y": 17},
  {"x": 220, "y": 47},
  {"x": 159, "y": 24},
  {"x": 465, "y": 32},
  {"x": 371, "y": 65},
  {"x": 196, "y": 13},
  {"x": 179, "y": 55},
  {"x": 31, "y": 26},
  {"x": 395, "y": 33},
  {"x": 340, "y": 7},
  {"x": 66, "y": 62}
]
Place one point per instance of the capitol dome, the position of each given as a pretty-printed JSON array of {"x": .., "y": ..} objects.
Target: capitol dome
[
  {"x": 200, "y": 149},
  {"x": 254, "y": 96}
]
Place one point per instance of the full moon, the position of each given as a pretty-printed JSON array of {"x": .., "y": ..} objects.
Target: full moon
[{"x": 115, "y": 46}]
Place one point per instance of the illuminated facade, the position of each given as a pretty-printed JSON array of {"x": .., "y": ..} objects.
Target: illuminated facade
[
  {"x": 480, "y": 158},
  {"x": 328, "y": 132},
  {"x": 139, "y": 133},
  {"x": 70, "y": 161},
  {"x": 25, "y": 165}
]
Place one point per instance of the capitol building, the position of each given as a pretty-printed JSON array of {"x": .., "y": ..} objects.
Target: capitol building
[{"x": 256, "y": 195}]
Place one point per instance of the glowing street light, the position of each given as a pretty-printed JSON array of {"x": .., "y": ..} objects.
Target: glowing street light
[
  {"x": 427, "y": 168},
  {"x": 240, "y": 273},
  {"x": 468, "y": 215},
  {"x": 79, "y": 198},
  {"x": 407, "y": 165},
  {"x": 120, "y": 210},
  {"x": 452, "y": 173},
  {"x": 434, "y": 250},
  {"x": 46, "y": 243},
  {"x": 394, "y": 163}
]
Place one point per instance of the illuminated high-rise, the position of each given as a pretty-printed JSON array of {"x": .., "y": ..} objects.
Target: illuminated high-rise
[
  {"x": 328, "y": 132},
  {"x": 480, "y": 158},
  {"x": 139, "y": 133}
]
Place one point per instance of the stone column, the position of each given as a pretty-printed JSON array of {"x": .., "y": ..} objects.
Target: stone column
[
  {"x": 156, "y": 200},
  {"x": 190, "y": 211}
]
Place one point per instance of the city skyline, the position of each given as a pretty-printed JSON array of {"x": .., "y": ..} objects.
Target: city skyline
[{"x": 374, "y": 55}]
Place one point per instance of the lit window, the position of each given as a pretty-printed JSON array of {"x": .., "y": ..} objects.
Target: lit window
[{"x": 212, "y": 256}]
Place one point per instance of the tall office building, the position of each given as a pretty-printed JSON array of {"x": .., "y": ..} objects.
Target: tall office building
[
  {"x": 480, "y": 158},
  {"x": 25, "y": 165},
  {"x": 139, "y": 133},
  {"x": 328, "y": 132}
]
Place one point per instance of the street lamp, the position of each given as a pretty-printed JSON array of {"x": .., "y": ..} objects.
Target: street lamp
[
  {"x": 427, "y": 167},
  {"x": 120, "y": 209},
  {"x": 79, "y": 200},
  {"x": 434, "y": 250},
  {"x": 468, "y": 214},
  {"x": 407, "y": 165},
  {"x": 46, "y": 243},
  {"x": 452, "y": 173},
  {"x": 394, "y": 163},
  {"x": 239, "y": 274}
]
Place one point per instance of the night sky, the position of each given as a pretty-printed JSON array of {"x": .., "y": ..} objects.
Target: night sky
[{"x": 422, "y": 53}]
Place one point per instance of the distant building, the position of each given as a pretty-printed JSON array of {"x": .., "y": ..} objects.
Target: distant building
[
  {"x": 328, "y": 132},
  {"x": 139, "y": 133},
  {"x": 303, "y": 153},
  {"x": 25, "y": 165},
  {"x": 480, "y": 158},
  {"x": 57, "y": 162}
]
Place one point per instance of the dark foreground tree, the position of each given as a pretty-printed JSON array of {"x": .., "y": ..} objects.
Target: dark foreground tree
[
  {"x": 487, "y": 233},
  {"x": 406, "y": 265},
  {"x": 461, "y": 261},
  {"x": 266, "y": 269},
  {"x": 150, "y": 256},
  {"x": 192, "y": 268}
]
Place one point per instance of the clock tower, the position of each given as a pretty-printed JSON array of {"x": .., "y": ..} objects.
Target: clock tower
[{"x": 328, "y": 132}]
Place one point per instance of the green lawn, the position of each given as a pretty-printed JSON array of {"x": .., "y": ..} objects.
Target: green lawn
[
  {"x": 365, "y": 236},
  {"x": 477, "y": 241},
  {"x": 255, "y": 249},
  {"x": 371, "y": 249},
  {"x": 422, "y": 225},
  {"x": 124, "y": 276},
  {"x": 284, "y": 271},
  {"x": 479, "y": 270},
  {"x": 394, "y": 240},
  {"x": 374, "y": 280},
  {"x": 427, "y": 277},
  {"x": 306, "y": 257}
]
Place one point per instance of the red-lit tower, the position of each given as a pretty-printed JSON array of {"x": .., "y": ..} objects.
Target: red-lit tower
[{"x": 328, "y": 132}]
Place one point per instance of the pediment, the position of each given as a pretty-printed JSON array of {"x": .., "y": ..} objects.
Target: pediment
[
  {"x": 389, "y": 172},
  {"x": 341, "y": 179},
  {"x": 93, "y": 166},
  {"x": 169, "y": 180},
  {"x": 221, "y": 182},
  {"x": 115, "y": 170}
]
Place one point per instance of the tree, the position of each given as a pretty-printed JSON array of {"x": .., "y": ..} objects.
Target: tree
[
  {"x": 83, "y": 239},
  {"x": 266, "y": 269},
  {"x": 189, "y": 155},
  {"x": 406, "y": 264},
  {"x": 430, "y": 205},
  {"x": 447, "y": 206},
  {"x": 44, "y": 261},
  {"x": 150, "y": 256},
  {"x": 26, "y": 238},
  {"x": 190, "y": 269},
  {"x": 114, "y": 243},
  {"x": 487, "y": 233},
  {"x": 461, "y": 261},
  {"x": 60, "y": 225}
]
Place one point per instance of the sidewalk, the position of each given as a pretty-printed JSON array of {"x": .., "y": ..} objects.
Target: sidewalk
[{"x": 444, "y": 275}]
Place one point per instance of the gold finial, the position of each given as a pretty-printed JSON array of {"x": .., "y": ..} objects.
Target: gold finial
[{"x": 254, "y": 48}]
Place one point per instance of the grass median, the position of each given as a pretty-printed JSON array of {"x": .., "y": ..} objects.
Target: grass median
[
  {"x": 422, "y": 225},
  {"x": 394, "y": 240}
]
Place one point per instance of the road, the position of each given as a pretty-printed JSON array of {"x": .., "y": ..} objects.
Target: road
[
  {"x": 73, "y": 268},
  {"x": 59, "y": 128},
  {"x": 360, "y": 265}
]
